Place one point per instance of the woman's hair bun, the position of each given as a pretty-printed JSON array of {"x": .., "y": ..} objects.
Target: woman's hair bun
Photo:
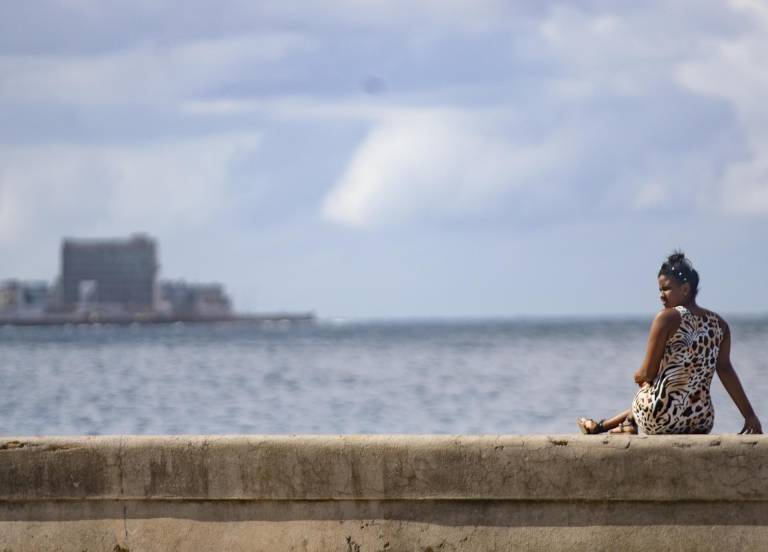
[{"x": 676, "y": 257}]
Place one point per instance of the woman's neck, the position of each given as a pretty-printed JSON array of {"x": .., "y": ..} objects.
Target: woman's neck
[{"x": 691, "y": 305}]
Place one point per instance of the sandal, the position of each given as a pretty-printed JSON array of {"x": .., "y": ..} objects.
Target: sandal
[{"x": 588, "y": 426}]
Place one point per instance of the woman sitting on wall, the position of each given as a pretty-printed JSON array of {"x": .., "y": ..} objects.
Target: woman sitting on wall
[{"x": 686, "y": 346}]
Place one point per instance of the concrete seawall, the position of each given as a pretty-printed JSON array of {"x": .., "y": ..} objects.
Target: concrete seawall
[{"x": 383, "y": 493}]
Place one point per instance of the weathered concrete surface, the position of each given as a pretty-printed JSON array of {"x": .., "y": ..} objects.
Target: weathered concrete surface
[
  {"x": 361, "y": 493},
  {"x": 381, "y": 526}
]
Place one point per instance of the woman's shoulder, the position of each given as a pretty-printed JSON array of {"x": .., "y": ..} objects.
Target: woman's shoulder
[
  {"x": 668, "y": 319},
  {"x": 669, "y": 315}
]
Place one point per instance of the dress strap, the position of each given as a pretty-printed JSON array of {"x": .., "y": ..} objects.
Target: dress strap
[{"x": 682, "y": 310}]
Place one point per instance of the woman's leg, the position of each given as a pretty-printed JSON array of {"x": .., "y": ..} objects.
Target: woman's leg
[
  {"x": 611, "y": 423},
  {"x": 591, "y": 426}
]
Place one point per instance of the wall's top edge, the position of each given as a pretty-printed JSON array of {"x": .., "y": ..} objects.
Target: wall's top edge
[{"x": 386, "y": 467}]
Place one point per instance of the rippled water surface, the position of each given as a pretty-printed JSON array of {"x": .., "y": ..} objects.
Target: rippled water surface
[{"x": 400, "y": 377}]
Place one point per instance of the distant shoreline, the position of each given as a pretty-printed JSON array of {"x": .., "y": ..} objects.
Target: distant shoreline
[{"x": 125, "y": 320}]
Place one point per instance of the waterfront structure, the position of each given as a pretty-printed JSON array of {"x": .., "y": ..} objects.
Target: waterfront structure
[
  {"x": 115, "y": 281},
  {"x": 23, "y": 298},
  {"x": 109, "y": 275},
  {"x": 384, "y": 492},
  {"x": 180, "y": 298}
]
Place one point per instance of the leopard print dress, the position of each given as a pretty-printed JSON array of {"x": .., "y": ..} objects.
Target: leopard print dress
[{"x": 678, "y": 399}]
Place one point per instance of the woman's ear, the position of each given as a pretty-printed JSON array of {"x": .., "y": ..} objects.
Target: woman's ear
[{"x": 686, "y": 289}]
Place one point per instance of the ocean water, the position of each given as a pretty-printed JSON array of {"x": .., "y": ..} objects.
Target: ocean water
[{"x": 449, "y": 377}]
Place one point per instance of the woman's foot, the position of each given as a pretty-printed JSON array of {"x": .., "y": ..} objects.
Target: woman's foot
[
  {"x": 627, "y": 426},
  {"x": 588, "y": 426}
]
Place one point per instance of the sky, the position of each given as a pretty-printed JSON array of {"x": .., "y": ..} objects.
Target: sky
[{"x": 391, "y": 158}]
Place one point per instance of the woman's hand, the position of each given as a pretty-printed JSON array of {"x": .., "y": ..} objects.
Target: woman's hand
[
  {"x": 639, "y": 378},
  {"x": 751, "y": 425}
]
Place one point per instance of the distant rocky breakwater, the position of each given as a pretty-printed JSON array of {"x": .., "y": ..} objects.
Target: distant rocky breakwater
[{"x": 380, "y": 492}]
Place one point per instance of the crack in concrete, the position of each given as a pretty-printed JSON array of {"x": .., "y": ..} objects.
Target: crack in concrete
[
  {"x": 120, "y": 452},
  {"x": 120, "y": 466}
]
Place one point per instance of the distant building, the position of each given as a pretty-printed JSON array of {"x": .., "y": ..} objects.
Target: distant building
[
  {"x": 111, "y": 280},
  {"x": 109, "y": 275},
  {"x": 179, "y": 298},
  {"x": 23, "y": 299}
]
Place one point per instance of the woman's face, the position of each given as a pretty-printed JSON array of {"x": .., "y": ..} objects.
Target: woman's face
[{"x": 673, "y": 294}]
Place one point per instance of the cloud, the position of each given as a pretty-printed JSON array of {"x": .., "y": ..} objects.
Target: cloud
[
  {"x": 608, "y": 128},
  {"x": 441, "y": 164},
  {"x": 609, "y": 109},
  {"x": 148, "y": 73},
  {"x": 161, "y": 187},
  {"x": 632, "y": 50},
  {"x": 512, "y": 167},
  {"x": 735, "y": 73},
  {"x": 88, "y": 27},
  {"x": 294, "y": 108},
  {"x": 427, "y": 15}
]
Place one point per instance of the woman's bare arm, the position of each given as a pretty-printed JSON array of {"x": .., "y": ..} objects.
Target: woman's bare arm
[
  {"x": 664, "y": 325},
  {"x": 732, "y": 384}
]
